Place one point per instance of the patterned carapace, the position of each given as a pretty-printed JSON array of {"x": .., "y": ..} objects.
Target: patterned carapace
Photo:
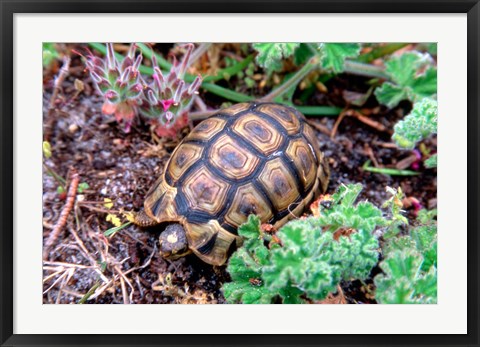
[{"x": 251, "y": 158}]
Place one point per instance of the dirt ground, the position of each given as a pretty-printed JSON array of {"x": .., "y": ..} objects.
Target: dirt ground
[{"x": 126, "y": 268}]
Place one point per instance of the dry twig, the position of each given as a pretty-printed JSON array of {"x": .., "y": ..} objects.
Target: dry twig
[
  {"x": 64, "y": 71},
  {"x": 72, "y": 193}
]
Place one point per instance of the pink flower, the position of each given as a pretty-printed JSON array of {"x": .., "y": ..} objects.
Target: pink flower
[
  {"x": 416, "y": 164},
  {"x": 166, "y": 104}
]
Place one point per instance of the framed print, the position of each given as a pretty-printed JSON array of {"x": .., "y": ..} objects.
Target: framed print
[{"x": 183, "y": 173}]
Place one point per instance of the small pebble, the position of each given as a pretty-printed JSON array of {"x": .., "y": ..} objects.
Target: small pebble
[{"x": 73, "y": 128}]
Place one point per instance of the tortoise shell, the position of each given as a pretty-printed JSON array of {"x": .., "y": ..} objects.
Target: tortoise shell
[{"x": 250, "y": 158}]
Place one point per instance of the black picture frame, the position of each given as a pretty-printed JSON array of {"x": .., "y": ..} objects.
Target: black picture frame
[{"x": 9, "y": 8}]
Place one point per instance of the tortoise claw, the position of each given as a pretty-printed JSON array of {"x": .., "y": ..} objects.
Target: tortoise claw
[{"x": 141, "y": 219}]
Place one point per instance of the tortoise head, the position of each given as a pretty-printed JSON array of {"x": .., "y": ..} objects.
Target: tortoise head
[{"x": 173, "y": 242}]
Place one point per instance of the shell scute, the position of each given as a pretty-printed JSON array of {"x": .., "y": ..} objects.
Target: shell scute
[
  {"x": 279, "y": 184},
  {"x": 207, "y": 129},
  {"x": 183, "y": 157},
  {"x": 231, "y": 160},
  {"x": 204, "y": 191},
  {"x": 259, "y": 132},
  {"x": 288, "y": 117},
  {"x": 248, "y": 200}
]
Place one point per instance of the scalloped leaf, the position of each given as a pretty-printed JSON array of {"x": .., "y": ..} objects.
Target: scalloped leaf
[
  {"x": 270, "y": 55},
  {"x": 414, "y": 77},
  {"x": 334, "y": 55}
]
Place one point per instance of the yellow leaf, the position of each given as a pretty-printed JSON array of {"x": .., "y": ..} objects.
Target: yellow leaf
[
  {"x": 108, "y": 203},
  {"x": 47, "y": 149},
  {"x": 129, "y": 216},
  {"x": 113, "y": 219}
]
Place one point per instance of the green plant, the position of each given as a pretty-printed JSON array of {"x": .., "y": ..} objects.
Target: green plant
[
  {"x": 61, "y": 191},
  {"x": 167, "y": 100},
  {"x": 307, "y": 258},
  {"x": 333, "y": 55},
  {"x": 418, "y": 125},
  {"x": 410, "y": 265},
  {"x": 118, "y": 82},
  {"x": 271, "y": 55},
  {"x": 413, "y": 77},
  {"x": 49, "y": 53}
]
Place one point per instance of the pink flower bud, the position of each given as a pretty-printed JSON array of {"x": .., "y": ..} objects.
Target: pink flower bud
[
  {"x": 95, "y": 77},
  {"x": 111, "y": 56},
  {"x": 186, "y": 58},
  {"x": 125, "y": 74},
  {"x": 151, "y": 97},
  {"x": 111, "y": 94},
  {"x": 138, "y": 61},
  {"x": 154, "y": 60},
  {"x": 178, "y": 92},
  {"x": 195, "y": 85},
  {"x": 172, "y": 76},
  {"x": 166, "y": 104},
  {"x": 131, "y": 50},
  {"x": 169, "y": 117},
  {"x": 159, "y": 79},
  {"x": 126, "y": 63}
]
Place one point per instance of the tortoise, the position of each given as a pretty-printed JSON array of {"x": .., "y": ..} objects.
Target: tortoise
[{"x": 250, "y": 158}]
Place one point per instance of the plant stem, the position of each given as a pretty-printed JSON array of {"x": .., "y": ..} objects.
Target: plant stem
[
  {"x": 381, "y": 51},
  {"x": 319, "y": 110},
  {"x": 92, "y": 290},
  {"x": 306, "y": 110},
  {"x": 226, "y": 93},
  {"x": 293, "y": 81},
  {"x": 388, "y": 171},
  {"x": 230, "y": 71},
  {"x": 362, "y": 69},
  {"x": 201, "y": 49},
  {"x": 60, "y": 180}
]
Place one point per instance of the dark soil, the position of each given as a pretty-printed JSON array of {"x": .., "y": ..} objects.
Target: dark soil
[{"x": 122, "y": 167}]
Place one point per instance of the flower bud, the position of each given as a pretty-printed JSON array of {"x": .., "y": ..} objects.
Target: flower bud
[
  {"x": 151, "y": 97},
  {"x": 178, "y": 92},
  {"x": 111, "y": 56},
  {"x": 195, "y": 85}
]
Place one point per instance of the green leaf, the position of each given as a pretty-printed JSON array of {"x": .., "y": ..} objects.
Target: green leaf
[
  {"x": 82, "y": 187},
  {"x": 431, "y": 162},
  {"x": 245, "y": 292},
  {"x": 419, "y": 124},
  {"x": 245, "y": 267},
  {"x": 358, "y": 254},
  {"x": 302, "y": 54},
  {"x": 345, "y": 214},
  {"x": 112, "y": 231},
  {"x": 251, "y": 228},
  {"x": 270, "y": 55},
  {"x": 333, "y": 55},
  {"x": 390, "y": 95},
  {"x": 403, "y": 282},
  {"x": 410, "y": 265},
  {"x": 425, "y": 85},
  {"x": 414, "y": 76},
  {"x": 49, "y": 53}
]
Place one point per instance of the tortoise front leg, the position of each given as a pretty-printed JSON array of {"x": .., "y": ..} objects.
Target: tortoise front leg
[{"x": 141, "y": 219}]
